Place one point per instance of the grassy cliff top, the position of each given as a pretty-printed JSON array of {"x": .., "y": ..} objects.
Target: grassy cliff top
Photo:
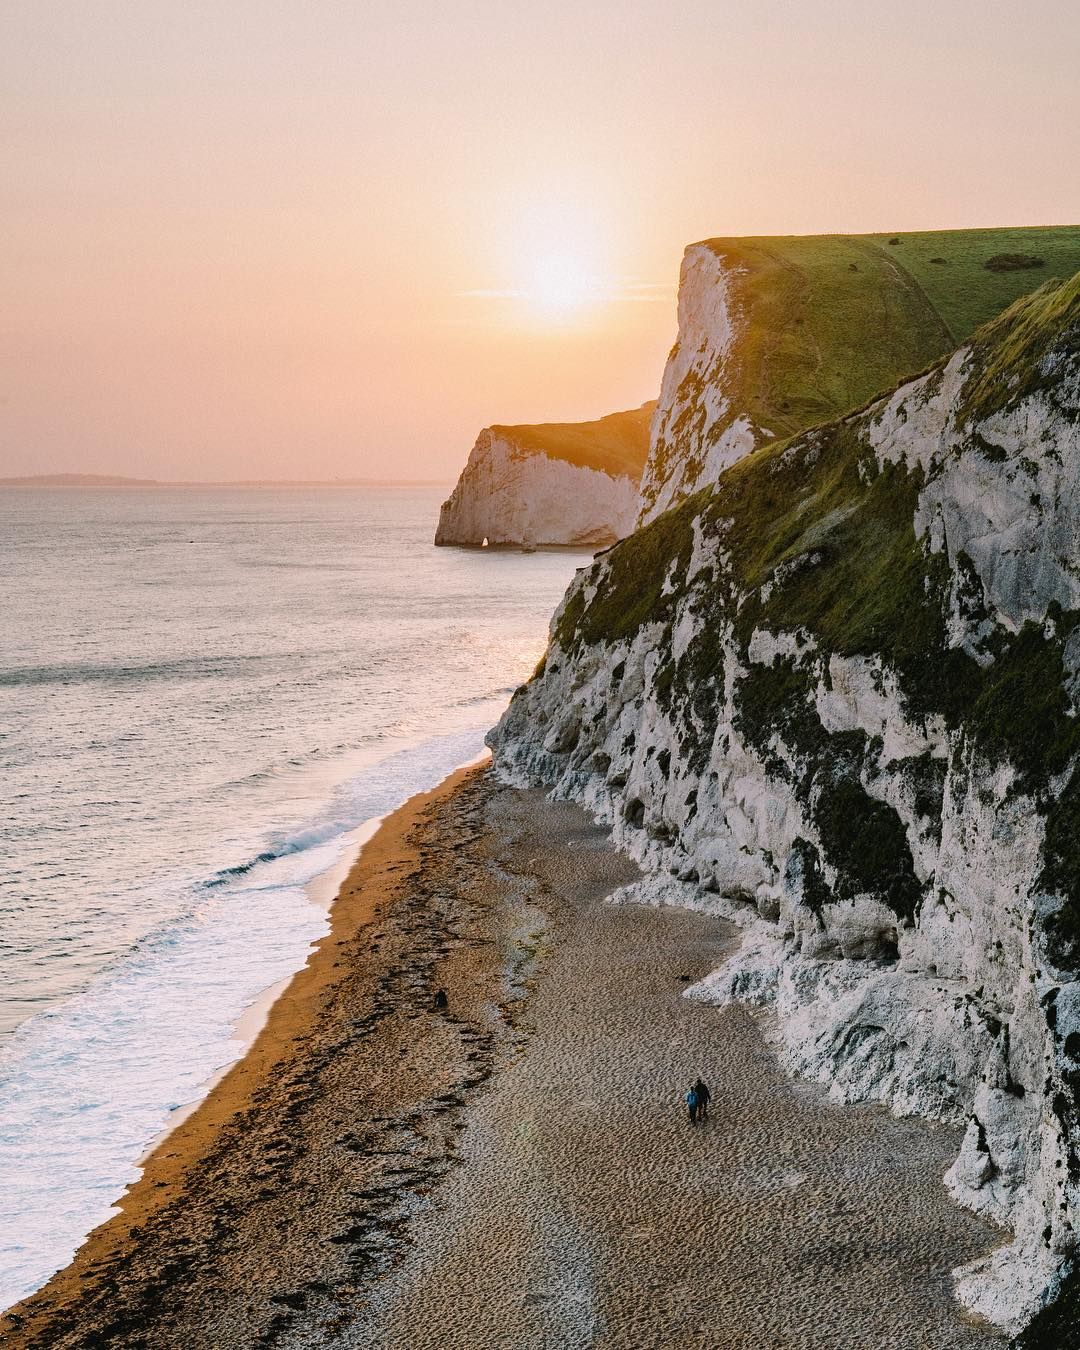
[
  {"x": 821, "y": 493},
  {"x": 971, "y": 275},
  {"x": 831, "y": 320},
  {"x": 616, "y": 444}
]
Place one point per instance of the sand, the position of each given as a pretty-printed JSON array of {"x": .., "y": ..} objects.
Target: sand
[{"x": 517, "y": 1170}]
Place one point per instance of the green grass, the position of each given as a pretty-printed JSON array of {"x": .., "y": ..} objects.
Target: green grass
[
  {"x": 632, "y": 593},
  {"x": 1010, "y": 351},
  {"x": 818, "y": 514},
  {"x": 832, "y": 320},
  {"x": 963, "y": 292},
  {"x": 818, "y": 337},
  {"x": 616, "y": 444}
]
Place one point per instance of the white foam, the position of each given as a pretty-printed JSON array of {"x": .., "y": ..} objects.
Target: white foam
[{"x": 86, "y": 1086}]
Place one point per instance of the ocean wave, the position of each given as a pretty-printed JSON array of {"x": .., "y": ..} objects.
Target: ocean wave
[
  {"x": 302, "y": 842},
  {"x": 489, "y": 696},
  {"x": 86, "y": 1085},
  {"x": 196, "y": 667},
  {"x": 228, "y": 874}
]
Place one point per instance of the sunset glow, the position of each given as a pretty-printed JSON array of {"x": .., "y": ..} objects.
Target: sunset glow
[
  {"x": 539, "y": 572},
  {"x": 559, "y": 284},
  {"x": 263, "y": 240}
]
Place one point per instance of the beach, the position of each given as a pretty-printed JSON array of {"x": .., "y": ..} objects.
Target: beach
[{"x": 517, "y": 1169}]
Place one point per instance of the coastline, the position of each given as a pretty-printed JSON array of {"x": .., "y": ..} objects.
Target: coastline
[
  {"x": 322, "y": 890},
  {"x": 287, "y": 1020},
  {"x": 315, "y": 1195}
]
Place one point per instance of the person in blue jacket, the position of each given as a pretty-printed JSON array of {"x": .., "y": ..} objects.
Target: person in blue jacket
[{"x": 692, "y": 1105}]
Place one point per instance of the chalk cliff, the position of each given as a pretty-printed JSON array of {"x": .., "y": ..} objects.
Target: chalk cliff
[
  {"x": 778, "y": 334},
  {"x": 555, "y": 483},
  {"x": 833, "y": 695}
]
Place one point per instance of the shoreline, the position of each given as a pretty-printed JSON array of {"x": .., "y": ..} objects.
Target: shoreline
[
  {"x": 284, "y": 1019},
  {"x": 323, "y": 891},
  {"x": 316, "y": 1195}
]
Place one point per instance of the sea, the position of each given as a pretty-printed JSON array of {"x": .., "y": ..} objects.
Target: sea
[{"x": 206, "y": 697}]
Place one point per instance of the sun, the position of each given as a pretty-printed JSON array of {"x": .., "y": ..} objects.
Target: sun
[{"x": 558, "y": 284}]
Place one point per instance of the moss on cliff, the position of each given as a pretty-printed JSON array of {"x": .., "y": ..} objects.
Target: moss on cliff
[
  {"x": 697, "y": 688},
  {"x": 777, "y": 701},
  {"x": 925, "y": 776},
  {"x": 806, "y": 864},
  {"x": 821, "y": 539},
  {"x": 1021, "y": 351},
  {"x": 864, "y": 840},
  {"x": 1058, "y": 1326},
  {"x": 1061, "y": 872},
  {"x": 1019, "y": 709},
  {"x": 639, "y": 582}
]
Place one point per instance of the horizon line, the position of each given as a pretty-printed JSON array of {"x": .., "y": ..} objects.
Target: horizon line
[{"x": 105, "y": 480}]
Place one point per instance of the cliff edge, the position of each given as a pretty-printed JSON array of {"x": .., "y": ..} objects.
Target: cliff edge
[
  {"x": 777, "y": 334},
  {"x": 555, "y": 483}
]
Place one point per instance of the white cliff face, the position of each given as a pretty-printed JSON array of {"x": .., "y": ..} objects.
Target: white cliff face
[
  {"x": 983, "y": 504},
  {"x": 511, "y": 495},
  {"x": 892, "y": 849},
  {"x": 697, "y": 428}
]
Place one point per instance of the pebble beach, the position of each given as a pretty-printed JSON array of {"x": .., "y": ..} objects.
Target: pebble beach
[{"x": 517, "y": 1168}]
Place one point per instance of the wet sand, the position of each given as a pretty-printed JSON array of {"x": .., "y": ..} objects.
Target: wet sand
[{"x": 517, "y": 1170}]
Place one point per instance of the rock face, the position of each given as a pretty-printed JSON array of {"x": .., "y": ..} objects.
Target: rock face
[
  {"x": 555, "y": 483},
  {"x": 698, "y": 429},
  {"x": 835, "y": 698}
]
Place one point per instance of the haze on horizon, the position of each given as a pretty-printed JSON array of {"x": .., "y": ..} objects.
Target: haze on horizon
[{"x": 275, "y": 240}]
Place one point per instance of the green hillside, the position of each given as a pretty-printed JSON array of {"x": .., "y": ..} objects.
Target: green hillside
[
  {"x": 831, "y": 320},
  {"x": 616, "y": 444},
  {"x": 950, "y": 267}
]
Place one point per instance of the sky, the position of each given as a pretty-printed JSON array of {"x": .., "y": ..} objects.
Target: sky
[{"x": 318, "y": 239}]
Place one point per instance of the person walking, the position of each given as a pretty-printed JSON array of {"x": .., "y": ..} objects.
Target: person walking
[
  {"x": 704, "y": 1096},
  {"x": 692, "y": 1105}
]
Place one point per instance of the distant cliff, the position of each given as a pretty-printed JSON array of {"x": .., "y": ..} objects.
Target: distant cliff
[
  {"x": 835, "y": 696},
  {"x": 554, "y": 483}
]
